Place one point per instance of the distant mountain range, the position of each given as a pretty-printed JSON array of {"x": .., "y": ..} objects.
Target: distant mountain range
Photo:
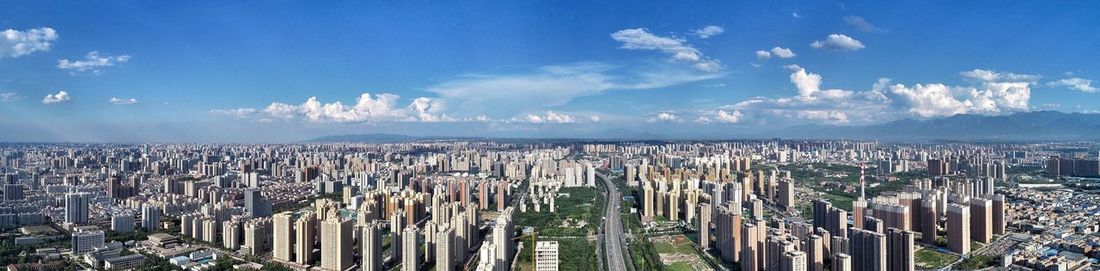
[{"x": 1023, "y": 126}]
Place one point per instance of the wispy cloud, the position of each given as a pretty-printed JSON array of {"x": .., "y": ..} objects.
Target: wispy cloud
[
  {"x": 1080, "y": 84},
  {"x": 708, "y": 31},
  {"x": 10, "y": 97},
  {"x": 677, "y": 49},
  {"x": 15, "y": 43},
  {"x": 547, "y": 117},
  {"x": 239, "y": 113},
  {"x": 121, "y": 101},
  {"x": 862, "y": 24},
  {"x": 93, "y": 63},
  {"x": 667, "y": 117}
]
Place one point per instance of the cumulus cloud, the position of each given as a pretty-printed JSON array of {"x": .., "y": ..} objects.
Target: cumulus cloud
[
  {"x": 1080, "y": 84},
  {"x": 781, "y": 52},
  {"x": 239, "y": 113},
  {"x": 60, "y": 97},
  {"x": 15, "y": 43},
  {"x": 761, "y": 54},
  {"x": 811, "y": 104},
  {"x": 120, "y": 101},
  {"x": 838, "y": 42},
  {"x": 10, "y": 97},
  {"x": 677, "y": 49},
  {"x": 708, "y": 31},
  {"x": 547, "y": 117},
  {"x": 991, "y": 92},
  {"x": 665, "y": 117},
  {"x": 594, "y": 118},
  {"x": 93, "y": 63},
  {"x": 367, "y": 108},
  {"x": 861, "y": 24}
]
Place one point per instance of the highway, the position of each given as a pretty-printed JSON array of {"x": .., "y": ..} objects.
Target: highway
[{"x": 613, "y": 227}]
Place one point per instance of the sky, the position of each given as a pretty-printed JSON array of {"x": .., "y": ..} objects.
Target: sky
[{"x": 286, "y": 71}]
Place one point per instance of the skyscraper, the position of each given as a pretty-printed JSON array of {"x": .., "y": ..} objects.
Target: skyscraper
[
  {"x": 410, "y": 256},
  {"x": 336, "y": 242},
  {"x": 786, "y": 194},
  {"x": 868, "y": 250},
  {"x": 999, "y": 214},
  {"x": 371, "y": 247},
  {"x": 283, "y": 236},
  {"x": 901, "y": 249},
  {"x": 815, "y": 254},
  {"x": 150, "y": 217},
  {"x": 981, "y": 219},
  {"x": 929, "y": 220},
  {"x": 305, "y": 233},
  {"x": 793, "y": 261},
  {"x": 958, "y": 228},
  {"x": 704, "y": 225},
  {"x": 842, "y": 262},
  {"x": 255, "y": 203},
  {"x": 750, "y": 247},
  {"x": 76, "y": 208},
  {"x": 444, "y": 249}
]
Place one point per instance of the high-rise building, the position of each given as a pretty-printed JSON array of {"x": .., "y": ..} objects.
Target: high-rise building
[
  {"x": 815, "y": 254},
  {"x": 410, "y": 256},
  {"x": 257, "y": 236},
  {"x": 793, "y": 261},
  {"x": 231, "y": 234},
  {"x": 958, "y": 228},
  {"x": 892, "y": 215},
  {"x": 305, "y": 236},
  {"x": 397, "y": 226},
  {"x": 901, "y": 248},
  {"x": 929, "y": 226},
  {"x": 255, "y": 203},
  {"x": 728, "y": 233},
  {"x": 371, "y": 245},
  {"x": 502, "y": 238},
  {"x": 859, "y": 210},
  {"x": 546, "y": 256},
  {"x": 122, "y": 222},
  {"x": 874, "y": 224},
  {"x": 842, "y": 262},
  {"x": 999, "y": 214},
  {"x": 336, "y": 239},
  {"x": 704, "y": 225},
  {"x": 76, "y": 208},
  {"x": 283, "y": 236},
  {"x": 750, "y": 247},
  {"x": 444, "y": 249},
  {"x": 150, "y": 217},
  {"x": 981, "y": 219},
  {"x": 786, "y": 194},
  {"x": 868, "y": 250}
]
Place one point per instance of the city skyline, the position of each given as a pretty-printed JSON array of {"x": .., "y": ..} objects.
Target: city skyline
[{"x": 287, "y": 72}]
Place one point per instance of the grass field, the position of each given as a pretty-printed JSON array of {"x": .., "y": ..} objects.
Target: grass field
[
  {"x": 841, "y": 201},
  {"x": 931, "y": 259}
]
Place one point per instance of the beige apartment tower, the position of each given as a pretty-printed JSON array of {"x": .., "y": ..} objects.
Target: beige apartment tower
[{"x": 958, "y": 228}]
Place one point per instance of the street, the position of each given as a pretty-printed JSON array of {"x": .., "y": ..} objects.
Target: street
[{"x": 613, "y": 228}]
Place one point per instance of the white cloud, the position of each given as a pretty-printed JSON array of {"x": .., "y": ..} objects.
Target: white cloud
[
  {"x": 728, "y": 116},
  {"x": 782, "y": 52},
  {"x": 10, "y": 97},
  {"x": 991, "y": 96},
  {"x": 119, "y": 101},
  {"x": 594, "y": 118},
  {"x": 861, "y": 24},
  {"x": 92, "y": 64},
  {"x": 548, "y": 117},
  {"x": 982, "y": 75},
  {"x": 665, "y": 117},
  {"x": 838, "y": 42},
  {"x": 761, "y": 54},
  {"x": 60, "y": 97},
  {"x": 239, "y": 113},
  {"x": 677, "y": 49},
  {"x": 708, "y": 31},
  {"x": 367, "y": 108},
  {"x": 795, "y": 15},
  {"x": 14, "y": 43},
  {"x": 1080, "y": 84},
  {"x": 811, "y": 104}
]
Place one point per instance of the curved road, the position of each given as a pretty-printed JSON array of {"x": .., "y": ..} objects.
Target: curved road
[{"x": 613, "y": 227}]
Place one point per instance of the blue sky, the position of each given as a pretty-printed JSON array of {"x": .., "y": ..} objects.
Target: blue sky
[{"x": 131, "y": 71}]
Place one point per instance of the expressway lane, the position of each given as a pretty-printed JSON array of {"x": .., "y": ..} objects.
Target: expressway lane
[{"x": 613, "y": 228}]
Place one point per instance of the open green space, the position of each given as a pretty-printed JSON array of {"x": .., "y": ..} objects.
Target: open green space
[
  {"x": 932, "y": 259},
  {"x": 584, "y": 204},
  {"x": 573, "y": 254}
]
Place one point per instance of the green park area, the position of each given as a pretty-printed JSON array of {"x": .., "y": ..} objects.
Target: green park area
[
  {"x": 932, "y": 259},
  {"x": 579, "y": 211}
]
